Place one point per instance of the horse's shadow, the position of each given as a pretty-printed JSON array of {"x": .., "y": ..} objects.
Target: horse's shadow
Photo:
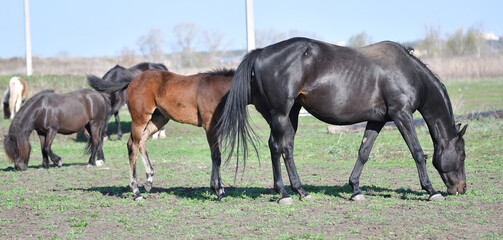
[
  {"x": 13, "y": 169},
  {"x": 204, "y": 193}
]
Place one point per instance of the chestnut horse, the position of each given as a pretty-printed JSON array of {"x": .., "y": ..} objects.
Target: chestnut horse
[
  {"x": 14, "y": 96},
  {"x": 156, "y": 96},
  {"x": 119, "y": 74},
  {"x": 340, "y": 85},
  {"x": 49, "y": 113}
]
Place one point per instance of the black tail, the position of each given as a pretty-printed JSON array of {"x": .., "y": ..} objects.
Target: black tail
[
  {"x": 233, "y": 125},
  {"x": 103, "y": 126},
  {"x": 107, "y": 86}
]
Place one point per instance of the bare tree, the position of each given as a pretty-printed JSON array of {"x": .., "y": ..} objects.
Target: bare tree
[
  {"x": 127, "y": 57},
  {"x": 186, "y": 34},
  {"x": 471, "y": 43},
  {"x": 151, "y": 45},
  {"x": 359, "y": 40},
  {"x": 432, "y": 44},
  {"x": 213, "y": 41}
]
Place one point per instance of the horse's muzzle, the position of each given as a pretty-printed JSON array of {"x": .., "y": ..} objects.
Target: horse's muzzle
[
  {"x": 21, "y": 167},
  {"x": 461, "y": 189}
]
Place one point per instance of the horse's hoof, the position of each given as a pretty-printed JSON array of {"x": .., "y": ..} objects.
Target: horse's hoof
[
  {"x": 358, "y": 198},
  {"x": 436, "y": 197},
  {"x": 285, "y": 201},
  {"x": 148, "y": 186},
  {"x": 99, "y": 163},
  {"x": 139, "y": 198},
  {"x": 222, "y": 199},
  {"x": 307, "y": 197}
]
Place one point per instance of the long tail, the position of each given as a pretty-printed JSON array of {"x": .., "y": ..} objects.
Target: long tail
[
  {"x": 103, "y": 126},
  {"x": 107, "y": 86},
  {"x": 233, "y": 125}
]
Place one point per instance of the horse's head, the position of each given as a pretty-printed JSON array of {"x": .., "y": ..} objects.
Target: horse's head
[
  {"x": 17, "y": 149},
  {"x": 449, "y": 160}
]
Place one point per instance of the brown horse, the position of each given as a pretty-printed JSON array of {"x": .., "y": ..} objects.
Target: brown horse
[{"x": 157, "y": 96}]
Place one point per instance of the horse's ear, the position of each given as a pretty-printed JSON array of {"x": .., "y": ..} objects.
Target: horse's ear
[
  {"x": 458, "y": 126},
  {"x": 462, "y": 132}
]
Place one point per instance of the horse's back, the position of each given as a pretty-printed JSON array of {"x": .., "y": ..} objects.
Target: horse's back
[
  {"x": 69, "y": 112},
  {"x": 340, "y": 85}
]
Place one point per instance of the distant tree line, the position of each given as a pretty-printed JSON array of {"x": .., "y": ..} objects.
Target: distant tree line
[{"x": 472, "y": 42}]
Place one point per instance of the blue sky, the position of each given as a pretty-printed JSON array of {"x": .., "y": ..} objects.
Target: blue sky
[{"x": 103, "y": 28}]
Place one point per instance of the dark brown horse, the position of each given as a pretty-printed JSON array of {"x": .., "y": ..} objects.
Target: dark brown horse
[
  {"x": 157, "y": 96},
  {"x": 340, "y": 85},
  {"x": 119, "y": 74},
  {"x": 49, "y": 113}
]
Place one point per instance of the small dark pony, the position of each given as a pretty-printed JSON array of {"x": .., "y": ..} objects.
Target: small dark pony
[
  {"x": 49, "y": 113},
  {"x": 157, "y": 96},
  {"x": 119, "y": 74},
  {"x": 340, "y": 85}
]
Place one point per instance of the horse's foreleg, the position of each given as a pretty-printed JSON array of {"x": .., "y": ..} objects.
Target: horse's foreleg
[
  {"x": 49, "y": 137},
  {"x": 404, "y": 123},
  {"x": 118, "y": 123},
  {"x": 45, "y": 156},
  {"x": 216, "y": 160},
  {"x": 371, "y": 132}
]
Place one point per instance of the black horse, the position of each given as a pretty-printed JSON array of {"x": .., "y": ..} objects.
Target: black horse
[
  {"x": 49, "y": 113},
  {"x": 340, "y": 85},
  {"x": 119, "y": 74}
]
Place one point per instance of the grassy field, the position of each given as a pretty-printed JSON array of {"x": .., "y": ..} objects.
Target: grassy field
[{"x": 80, "y": 202}]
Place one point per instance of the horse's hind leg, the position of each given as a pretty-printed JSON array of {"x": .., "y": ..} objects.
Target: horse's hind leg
[
  {"x": 371, "y": 132},
  {"x": 94, "y": 128},
  {"x": 133, "y": 145},
  {"x": 157, "y": 121},
  {"x": 216, "y": 159},
  {"x": 281, "y": 144}
]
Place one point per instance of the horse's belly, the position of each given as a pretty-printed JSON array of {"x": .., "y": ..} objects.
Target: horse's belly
[{"x": 345, "y": 115}]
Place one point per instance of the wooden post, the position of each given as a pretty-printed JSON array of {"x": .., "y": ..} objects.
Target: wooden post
[
  {"x": 250, "y": 28},
  {"x": 29, "y": 69}
]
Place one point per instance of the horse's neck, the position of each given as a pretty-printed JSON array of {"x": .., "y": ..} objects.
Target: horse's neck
[
  {"x": 437, "y": 113},
  {"x": 23, "y": 127}
]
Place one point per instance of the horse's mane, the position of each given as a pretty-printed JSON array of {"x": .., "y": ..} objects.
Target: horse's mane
[
  {"x": 226, "y": 72},
  {"x": 433, "y": 76}
]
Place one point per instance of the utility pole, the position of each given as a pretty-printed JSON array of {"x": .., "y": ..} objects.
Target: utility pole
[
  {"x": 250, "y": 28},
  {"x": 29, "y": 70}
]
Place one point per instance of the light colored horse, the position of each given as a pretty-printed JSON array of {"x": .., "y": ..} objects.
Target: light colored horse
[{"x": 14, "y": 96}]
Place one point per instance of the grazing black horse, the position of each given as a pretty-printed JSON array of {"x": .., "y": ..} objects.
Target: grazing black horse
[
  {"x": 119, "y": 74},
  {"x": 49, "y": 113},
  {"x": 340, "y": 85}
]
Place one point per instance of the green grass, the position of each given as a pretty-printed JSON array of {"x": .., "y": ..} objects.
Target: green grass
[{"x": 75, "y": 201}]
